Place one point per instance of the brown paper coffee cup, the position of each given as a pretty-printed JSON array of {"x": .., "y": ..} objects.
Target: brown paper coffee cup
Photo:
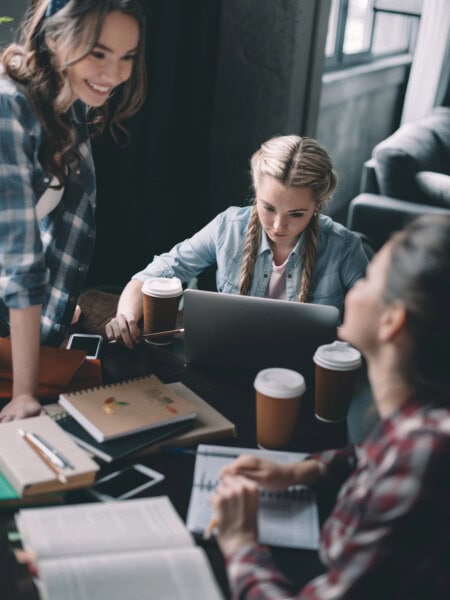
[
  {"x": 278, "y": 395},
  {"x": 161, "y": 297},
  {"x": 337, "y": 366}
]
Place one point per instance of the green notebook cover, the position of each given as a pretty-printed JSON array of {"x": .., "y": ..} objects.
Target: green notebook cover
[
  {"x": 10, "y": 499},
  {"x": 7, "y": 492}
]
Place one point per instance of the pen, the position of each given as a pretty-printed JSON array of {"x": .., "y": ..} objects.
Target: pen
[
  {"x": 209, "y": 530},
  {"x": 32, "y": 443},
  {"x": 52, "y": 453},
  {"x": 176, "y": 450}
]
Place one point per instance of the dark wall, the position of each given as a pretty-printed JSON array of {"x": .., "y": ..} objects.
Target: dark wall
[
  {"x": 223, "y": 77},
  {"x": 269, "y": 66},
  {"x": 152, "y": 192}
]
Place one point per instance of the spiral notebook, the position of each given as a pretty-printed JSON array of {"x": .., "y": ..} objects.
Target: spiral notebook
[
  {"x": 288, "y": 518},
  {"x": 112, "y": 411},
  {"x": 119, "y": 447}
]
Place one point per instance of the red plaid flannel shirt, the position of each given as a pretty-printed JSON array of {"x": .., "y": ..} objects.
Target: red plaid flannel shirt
[{"x": 388, "y": 536}]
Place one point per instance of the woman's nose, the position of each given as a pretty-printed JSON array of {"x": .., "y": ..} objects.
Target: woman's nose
[
  {"x": 280, "y": 222},
  {"x": 113, "y": 74}
]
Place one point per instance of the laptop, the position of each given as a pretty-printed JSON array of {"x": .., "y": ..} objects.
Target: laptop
[{"x": 247, "y": 334}]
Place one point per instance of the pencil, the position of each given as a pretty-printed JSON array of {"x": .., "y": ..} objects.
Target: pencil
[
  {"x": 209, "y": 530},
  {"x": 62, "y": 478},
  {"x": 161, "y": 333},
  {"x": 156, "y": 334}
]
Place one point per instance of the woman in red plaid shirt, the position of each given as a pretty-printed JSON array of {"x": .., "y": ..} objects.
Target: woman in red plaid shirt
[{"x": 389, "y": 533}]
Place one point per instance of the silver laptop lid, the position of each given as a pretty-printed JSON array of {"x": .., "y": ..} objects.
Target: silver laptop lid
[{"x": 249, "y": 334}]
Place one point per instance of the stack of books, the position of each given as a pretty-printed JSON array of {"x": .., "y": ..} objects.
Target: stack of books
[{"x": 139, "y": 415}]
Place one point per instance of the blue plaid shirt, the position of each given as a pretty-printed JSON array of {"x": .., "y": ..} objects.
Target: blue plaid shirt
[{"x": 42, "y": 261}]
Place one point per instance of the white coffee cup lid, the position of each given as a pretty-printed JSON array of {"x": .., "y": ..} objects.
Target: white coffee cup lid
[
  {"x": 338, "y": 356},
  {"x": 280, "y": 383},
  {"x": 163, "y": 287}
]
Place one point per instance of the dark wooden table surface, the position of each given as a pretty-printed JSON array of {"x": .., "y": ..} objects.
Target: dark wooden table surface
[{"x": 230, "y": 393}]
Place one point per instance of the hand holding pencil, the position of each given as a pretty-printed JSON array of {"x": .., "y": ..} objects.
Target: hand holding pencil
[{"x": 235, "y": 503}]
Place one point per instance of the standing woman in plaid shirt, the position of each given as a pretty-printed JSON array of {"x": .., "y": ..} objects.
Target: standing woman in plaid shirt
[
  {"x": 74, "y": 55},
  {"x": 389, "y": 533}
]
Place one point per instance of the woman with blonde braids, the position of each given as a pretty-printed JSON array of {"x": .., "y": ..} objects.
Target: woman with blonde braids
[{"x": 279, "y": 247}]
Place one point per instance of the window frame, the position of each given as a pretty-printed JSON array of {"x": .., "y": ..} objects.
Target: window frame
[{"x": 340, "y": 60}]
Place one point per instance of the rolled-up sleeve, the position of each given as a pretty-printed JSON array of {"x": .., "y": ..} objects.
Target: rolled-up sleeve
[{"x": 23, "y": 272}]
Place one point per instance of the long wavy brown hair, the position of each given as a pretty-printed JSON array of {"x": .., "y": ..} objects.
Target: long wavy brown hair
[
  {"x": 295, "y": 162},
  {"x": 73, "y": 31}
]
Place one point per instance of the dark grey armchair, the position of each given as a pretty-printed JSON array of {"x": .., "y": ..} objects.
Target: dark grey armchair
[{"x": 408, "y": 175}]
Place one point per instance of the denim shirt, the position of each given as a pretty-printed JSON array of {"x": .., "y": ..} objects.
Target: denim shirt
[
  {"x": 42, "y": 261},
  {"x": 340, "y": 259}
]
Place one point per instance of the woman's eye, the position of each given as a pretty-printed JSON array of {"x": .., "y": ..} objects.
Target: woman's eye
[
  {"x": 97, "y": 54},
  {"x": 297, "y": 215},
  {"x": 130, "y": 57},
  {"x": 269, "y": 208}
]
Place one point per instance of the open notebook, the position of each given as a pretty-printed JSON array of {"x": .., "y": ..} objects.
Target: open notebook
[{"x": 288, "y": 518}]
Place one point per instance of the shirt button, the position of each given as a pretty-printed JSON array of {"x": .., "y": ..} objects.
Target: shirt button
[
  {"x": 81, "y": 269},
  {"x": 77, "y": 172},
  {"x": 290, "y": 276},
  {"x": 265, "y": 276}
]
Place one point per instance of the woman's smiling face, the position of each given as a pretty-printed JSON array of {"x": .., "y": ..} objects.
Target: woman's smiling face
[{"x": 109, "y": 63}]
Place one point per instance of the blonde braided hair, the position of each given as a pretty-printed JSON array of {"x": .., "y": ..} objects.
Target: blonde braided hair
[{"x": 295, "y": 162}]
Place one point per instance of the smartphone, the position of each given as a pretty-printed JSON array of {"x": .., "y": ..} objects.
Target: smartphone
[
  {"x": 92, "y": 344},
  {"x": 125, "y": 483}
]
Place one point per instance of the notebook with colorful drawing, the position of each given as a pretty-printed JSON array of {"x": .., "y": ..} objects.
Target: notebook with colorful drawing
[{"x": 111, "y": 411}]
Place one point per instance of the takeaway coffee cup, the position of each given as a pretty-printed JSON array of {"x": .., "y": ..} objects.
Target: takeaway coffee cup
[
  {"x": 278, "y": 395},
  {"x": 161, "y": 297},
  {"x": 337, "y": 367}
]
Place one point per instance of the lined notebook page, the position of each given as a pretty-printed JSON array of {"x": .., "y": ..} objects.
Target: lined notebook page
[{"x": 289, "y": 518}]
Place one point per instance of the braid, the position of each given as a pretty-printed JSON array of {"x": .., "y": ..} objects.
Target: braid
[
  {"x": 251, "y": 245},
  {"x": 309, "y": 251}
]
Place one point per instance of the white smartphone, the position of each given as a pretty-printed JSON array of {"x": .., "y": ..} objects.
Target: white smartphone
[
  {"x": 125, "y": 483},
  {"x": 92, "y": 344}
]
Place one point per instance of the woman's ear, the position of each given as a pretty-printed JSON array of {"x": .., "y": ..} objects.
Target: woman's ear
[{"x": 392, "y": 321}]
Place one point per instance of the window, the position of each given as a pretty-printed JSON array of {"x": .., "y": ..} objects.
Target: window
[{"x": 361, "y": 31}]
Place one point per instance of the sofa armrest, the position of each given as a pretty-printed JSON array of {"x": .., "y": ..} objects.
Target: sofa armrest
[
  {"x": 369, "y": 183},
  {"x": 377, "y": 216}
]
